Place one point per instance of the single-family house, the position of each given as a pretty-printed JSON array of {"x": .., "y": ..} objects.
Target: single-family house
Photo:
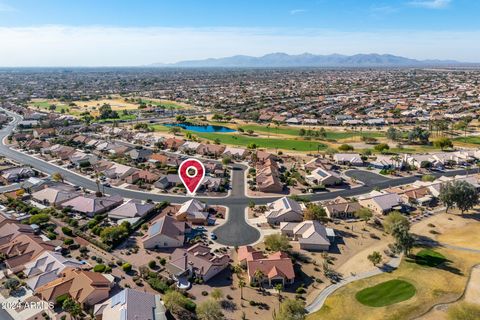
[
  {"x": 193, "y": 211},
  {"x": 341, "y": 208},
  {"x": 85, "y": 287},
  {"x": 352, "y": 159},
  {"x": 275, "y": 268},
  {"x": 165, "y": 232},
  {"x": 16, "y": 174},
  {"x": 310, "y": 234},
  {"x": 47, "y": 267},
  {"x": 284, "y": 210},
  {"x": 131, "y": 209},
  {"x": 323, "y": 177},
  {"x": 197, "y": 261},
  {"x": 383, "y": 203},
  {"x": 90, "y": 204},
  {"x": 55, "y": 195},
  {"x": 130, "y": 304}
]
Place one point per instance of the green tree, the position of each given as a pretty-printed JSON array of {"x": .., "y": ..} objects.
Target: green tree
[
  {"x": 11, "y": 284},
  {"x": 226, "y": 160},
  {"x": 315, "y": 212},
  {"x": 393, "y": 218},
  {"x": 364, "y": 213},
  {"x": 72, "y": 307},
  {"x": 210, "y": 310},
  {"x": 175, "y": 301},
  {"x": 180, "y": 118},
  {"x": 403, "y": 240},
  {"x": 419, "y": 134},
  {"x": 39, "y": 218},
  {"x": 393, "y": 134},
  {"x": 174, "y": 130},
  {"x": 277, "y": 242},
  {"x": 114, "y": 234},
  {"x": 459, "y": 193},
  {"x": 345, "y": 147},
  {"x": 127, "y": 267},
  {"x": 382, "y": 147},
  {"x": 443, "y": 143},
  {"x": 375, "y": 258},
  {"x": 106, "y": 112},
  {"x": 291, "y": 309}
]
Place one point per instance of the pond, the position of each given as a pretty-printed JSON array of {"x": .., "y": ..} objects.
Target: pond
[{"x": 200, "y": 128}]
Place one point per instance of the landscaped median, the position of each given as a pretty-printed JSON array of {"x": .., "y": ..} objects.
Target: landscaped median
[{"x": 426, "y": 278}]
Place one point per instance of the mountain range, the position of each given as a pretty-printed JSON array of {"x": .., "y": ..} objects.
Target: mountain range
[{"x": 282, "y": 60}]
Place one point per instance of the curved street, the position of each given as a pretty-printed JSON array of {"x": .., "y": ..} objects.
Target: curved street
[{"x": 235, "y": 231}]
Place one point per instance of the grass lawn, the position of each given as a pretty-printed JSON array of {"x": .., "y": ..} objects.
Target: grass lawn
[
  {"x": 163, "y": 103},
  {"x": 386, "y": 293},
  {"x": 432, "y": 285},
  {"x": 428, "y": 257},
  {"x": 295, "y": 131},
  {"x": 124, "y": 117},
  {"x": 237, "y": 139},
  {"x": 46, "y": 105},
  {"x": 159, "y": 128},
  {"x": 468, "y": 139},
  {"x": 243, "y": 140}
]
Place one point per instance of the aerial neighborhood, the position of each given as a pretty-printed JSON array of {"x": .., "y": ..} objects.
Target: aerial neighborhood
[{"x": 312, "y": 181}]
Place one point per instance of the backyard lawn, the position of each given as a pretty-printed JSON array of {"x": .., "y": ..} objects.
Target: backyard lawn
[{"x": 386, "y": 293}]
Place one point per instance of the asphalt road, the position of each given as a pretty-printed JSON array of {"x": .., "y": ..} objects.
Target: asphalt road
[
  {"x": 367, "y": 177},
  {"x": 236, "y": 231}
]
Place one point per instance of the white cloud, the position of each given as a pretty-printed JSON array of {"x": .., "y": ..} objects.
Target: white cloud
[
  {"x": 431, "y": 4},
  {"x": 297, "y": 11},
  {"x": 115, "y": 46}
]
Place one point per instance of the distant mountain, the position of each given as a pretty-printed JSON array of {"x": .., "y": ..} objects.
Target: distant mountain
[{"x": 280, "y": 60}]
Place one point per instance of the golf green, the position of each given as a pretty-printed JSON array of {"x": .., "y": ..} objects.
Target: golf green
[{"x": 386, "y": 293}]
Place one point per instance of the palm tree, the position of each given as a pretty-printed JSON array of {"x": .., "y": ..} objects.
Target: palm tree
[
  {"x": 396, "y": 160},
  {"x": 259, "y": 275},
  {"x": 241, "y": 285},
  {"x": 279, "y": 288},
  {"x": 237, "y": 269}
]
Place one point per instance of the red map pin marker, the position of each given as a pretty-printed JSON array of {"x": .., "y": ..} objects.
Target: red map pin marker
[{"x": 191, "y": 172}]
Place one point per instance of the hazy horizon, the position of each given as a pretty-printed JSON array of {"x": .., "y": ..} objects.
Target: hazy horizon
[{"x": 56, "y": 33}]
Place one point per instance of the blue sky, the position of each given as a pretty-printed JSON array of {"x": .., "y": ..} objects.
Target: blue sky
[{"x": 109, "y": 32}]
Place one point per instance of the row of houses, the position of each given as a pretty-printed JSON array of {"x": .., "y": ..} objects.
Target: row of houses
[
  {"x": 437, "y": 159},
  {"x": 49, "y": 276}
]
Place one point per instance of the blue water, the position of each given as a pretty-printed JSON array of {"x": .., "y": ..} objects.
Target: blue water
[{"x": 199, "y": 128}]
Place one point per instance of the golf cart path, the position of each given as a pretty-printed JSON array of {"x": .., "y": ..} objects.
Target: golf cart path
[
  {"x": 393, "y": 264},
  {"x": 318, "y": 302}
]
